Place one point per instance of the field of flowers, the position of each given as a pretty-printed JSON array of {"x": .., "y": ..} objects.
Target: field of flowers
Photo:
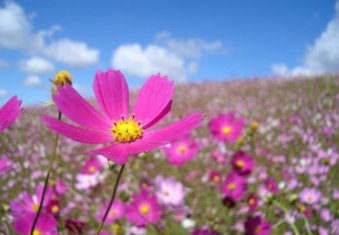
[{"x": 265, "y": 160}]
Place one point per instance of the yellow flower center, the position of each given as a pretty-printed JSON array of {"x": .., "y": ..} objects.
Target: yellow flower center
[
  {"x": 126, "y": 131},
  {"x": 257, "y": 230},
  {"x": 182, "y": 149},
  {"x": 231, "y": 186},
  {"x": 216, "y": 178},
  {"x": 226, "y": 130},
  {"x": 35, "y": 207},
  {"x": 115, "y": 229},
  {"x": 113, "y": 213},
  {"x": 52, "y": 183},
  {"x": 144, "y": 185},
  {"x": 55, "y": 209},
  {"x": 251, "y": 201},
  {"x": 62, "y": 77},
  {"x": 91, "y": 169},
  {"x": 36, "y": 232},
  {"x": 144, "y": 209},
  {"x": 239, "y": 163},
  {"x": 166, "y": 193},
  {"x": 254, "y": 125}
]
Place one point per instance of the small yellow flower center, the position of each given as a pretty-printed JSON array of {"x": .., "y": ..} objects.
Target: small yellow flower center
[
  {"x": 166, "y": 193},
  {"x": 239, "y": 163},
  {"x": 52, "y": 183},
  {"x": 226, "y": 130},
  {"x": 301, "y": 208},
  {"x": 126, "y": 131},
  {"x": 144, "y": 185},
  {"x": 182, "y": 149},
  {"x": 216, "y": 178},
  {"x": 231, "y": 186},
  {"x": 62, "y": 77},
  {"x": 256, "y": 229},
  {"x": 55, "y": 209},
  {"x": 144, "y": 209},
  {"x": 254, "y": 125},
  {"x": 251, "y": 201},
  {"x": 91, "y": 169},
  {"x": 36, "y": 232},
  {"x": 113, "y": 213},
  {"x": 310, "y": 198},
  {"x": 35, "y": 207}
]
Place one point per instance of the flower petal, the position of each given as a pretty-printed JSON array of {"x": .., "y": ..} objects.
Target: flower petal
[
  {"x": 76, "y": 108},
  {"x": 111, "y": 92},
  {"x": 76, "y": 133},
  {"x": 9, "y": 112},
  {"x": 154, "y": 100},
  {"x": 116, "y": 152}
]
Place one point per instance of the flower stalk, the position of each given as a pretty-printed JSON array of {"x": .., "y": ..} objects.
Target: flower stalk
[{"x": 111, "y": 201}]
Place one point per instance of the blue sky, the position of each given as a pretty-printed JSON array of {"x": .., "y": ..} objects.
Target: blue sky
[{"x": 187, "y": 40}]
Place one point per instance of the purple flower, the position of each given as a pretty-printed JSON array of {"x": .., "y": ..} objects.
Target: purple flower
[
  {"x": 46, "y": 224},
  {"x": 169, "y": 191},
  {"x": 272, "y": 185},
  {"x": 226, "y": 127},
  {"x": 310, "y": 196},
  {"x": 257, "y": 226},
  {"x": 117, "y": 211},
  {"x": 9, "y": 112},
  {"x": 242, "y": 163},
  {"x": 5, "y": 164}
]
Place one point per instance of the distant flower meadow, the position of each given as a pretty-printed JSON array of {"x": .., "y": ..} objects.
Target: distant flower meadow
[{"x": 249, "y": 157}]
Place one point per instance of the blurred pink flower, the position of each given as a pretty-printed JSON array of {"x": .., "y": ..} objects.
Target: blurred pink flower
[
  {"x": 310, "y": 196},
  {"x": 46, "y": 224},
  {"x": 255, "y": 225},
  {"x": 169, "y": 191},
  {"x": 242, "y": 163},
  {"x": 226, "y": 127},
  {"x": 91, "y": 166},
  {"x": 234, "y": 186},
  {"x": 5, "y": 164},
  {"x": 143, "y": 210},
  {"x": 271, "y": 185},
  {"x": 125, "y": 134},
  {"x": 9, "y": 112},
  {"x": 117, "y": 211},
  {"x": 181, "y": 151}
]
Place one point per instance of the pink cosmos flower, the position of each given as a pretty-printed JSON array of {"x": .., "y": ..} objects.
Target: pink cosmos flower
[
  {"x": 252, "y": 202},
  {"x": 272, "y": 185},
  {"x": 28, "y": 203},
  {"x": 5, "y": 164},
  {"x": 242, "y": 163},
  {"x": 257, "y": 226},
  {"x": 117, "y": 211},
  {"x": 91, "y": 166},
  {"x": 234, "y": 186},
  {"x": 125, "y": 134},
  {"x": 181, "y": 151},
  {"x": 310, "y": 196},
  {"x": 219, "y": 157},
  {"x": 143, "y": 210},
  {"x": 46, "y": 224},
  {"x": 169, "y": 191},
  {"x": 226, "y": 127},
  {"x": 9, "y": 112}
]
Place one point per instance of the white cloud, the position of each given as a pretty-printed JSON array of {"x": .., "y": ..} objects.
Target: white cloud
[
  {"x": 76, "y": 54},
  {"x": 32, "y": 80},
  {"x": 321, "y": 57},
  {"x": 3, "y": 92},
  {"x": 191, "y": 48},
  {"x": 36, "y": 65},
  {"x": 16, "y": 32},
  {"x": 3, "y": 64},
  {"x": 143, "y": 62}
]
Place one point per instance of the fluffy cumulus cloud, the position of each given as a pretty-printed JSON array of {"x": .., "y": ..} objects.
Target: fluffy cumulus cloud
[
  {"x": 32, "y": 80},
  {"x": 36, "y": 65},
  {"x": 16, "y": 32},
  {"x": 176, "y": 58},
  {"x": 321, "y": 57}
]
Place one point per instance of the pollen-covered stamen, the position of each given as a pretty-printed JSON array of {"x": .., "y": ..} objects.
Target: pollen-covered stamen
[{"x": 126, "y": 131}]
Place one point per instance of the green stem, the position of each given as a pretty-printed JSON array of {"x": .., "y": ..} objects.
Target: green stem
[
  {"x": 55, "y": 145},
  {"x": 111, "y": 201},
  {"x": 307, "y": 225},
  {"x": 294, "y": 228}
]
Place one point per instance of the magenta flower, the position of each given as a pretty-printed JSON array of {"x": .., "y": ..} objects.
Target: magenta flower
[
  {"x": 252, "y": 202},
  {"x": 117, "y": 211},
  {"x": 218, "y": 157},
  {"x": 143, "y": 210},
  {"x": 125, "y": 134},
  {"x": 181, "y": 151},
  {"x": 9, "y": 112},
  {"x": 272, "y": 185},
  {"x": 310, "y": 196},
  {"x": 46, "y": 225},
  {"x": 242, "y": 163},
  {"x": 28, "y": 203},
  {"x": 257, "y": 226},
  {"x": 5, "y": 164},
  {"x": 91, "y": 166},
  {"x": 234, "y": 186},
  {"x": 226, "y": 127}
]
